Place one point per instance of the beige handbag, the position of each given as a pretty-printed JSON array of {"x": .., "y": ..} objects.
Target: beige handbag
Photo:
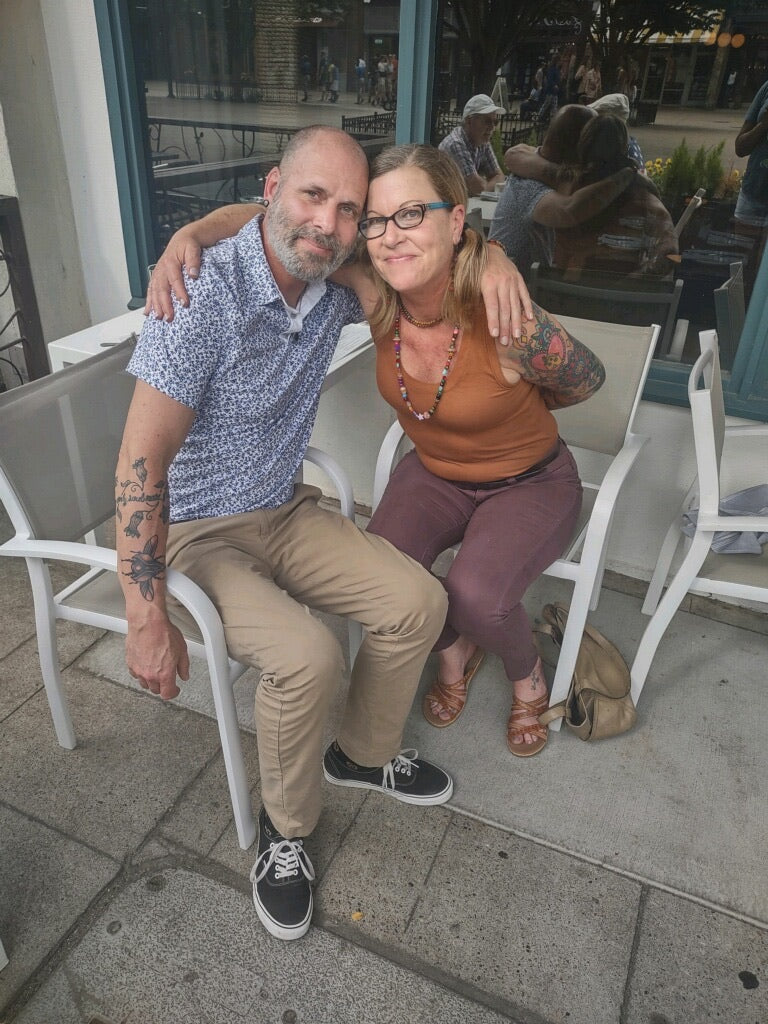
[{"x": 598, "y": 703}]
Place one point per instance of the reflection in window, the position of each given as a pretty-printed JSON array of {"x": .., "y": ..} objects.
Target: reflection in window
[
  {"x": 225, "y": 85},
  {"x": 684, "y": 101}
]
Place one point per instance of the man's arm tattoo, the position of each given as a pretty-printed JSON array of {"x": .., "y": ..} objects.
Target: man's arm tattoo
[
  {"x": 150, "y": 501},
  {"x": 144, "y": 568},
  {"x": 136, "y": 504},
  {"x": 564, "y": 369}
]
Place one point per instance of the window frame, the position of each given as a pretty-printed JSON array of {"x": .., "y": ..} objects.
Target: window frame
[{"x": 745, "y": 388}]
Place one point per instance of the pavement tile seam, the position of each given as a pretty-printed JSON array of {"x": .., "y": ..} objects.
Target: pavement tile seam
[
  {"x": 438, "y": 850},
  {"x": 72, "y": 938},
  {"x": 633, "y": 953},
  {"x": 401, "y": 957},
  {"x": 631, "y": 876},
  {"x": 181, "y": 797},
  {"x": 59, "y": 831}
]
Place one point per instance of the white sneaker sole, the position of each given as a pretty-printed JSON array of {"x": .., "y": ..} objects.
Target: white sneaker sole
[{"x": 404, "y": 798}]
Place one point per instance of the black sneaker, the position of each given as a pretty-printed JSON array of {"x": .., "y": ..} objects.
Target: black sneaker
[
  {"x": 406, "y": 777},
  {"x": 282, "y": 882}
]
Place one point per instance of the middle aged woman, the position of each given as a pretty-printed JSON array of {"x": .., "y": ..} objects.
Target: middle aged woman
[{"x": 488, "y": 468}]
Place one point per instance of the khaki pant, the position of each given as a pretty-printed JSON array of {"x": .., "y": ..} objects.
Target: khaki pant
[{"x": 262, "y": 570}]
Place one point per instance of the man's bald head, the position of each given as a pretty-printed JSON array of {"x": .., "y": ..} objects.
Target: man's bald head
[
  {"x": 559, "y": 145},
  {"x": 315, "y": 134}
]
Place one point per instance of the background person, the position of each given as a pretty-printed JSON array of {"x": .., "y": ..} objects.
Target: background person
[
  {"x": 752, "y": 141},
  {"x": 470, "y": 147},
  {"x": 634, "y": 235},
  {"x": 618, "y": 104},
  {"x": 529, "y": 210}
]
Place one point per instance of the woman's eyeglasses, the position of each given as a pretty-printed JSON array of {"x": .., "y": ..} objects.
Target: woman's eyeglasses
[{"x": 407, "y": 217}]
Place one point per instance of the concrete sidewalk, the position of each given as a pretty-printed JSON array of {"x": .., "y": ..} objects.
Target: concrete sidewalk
[{"x": 617, "y": 883}]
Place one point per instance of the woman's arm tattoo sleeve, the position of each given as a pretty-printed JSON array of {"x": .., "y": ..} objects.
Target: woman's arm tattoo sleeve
[{"x": 563, "y": 368}]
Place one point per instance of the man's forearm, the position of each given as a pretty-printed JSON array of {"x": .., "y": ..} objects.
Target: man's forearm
[
  {"x": 585, "y": 202},
  {"x": 141, "y": 526}
]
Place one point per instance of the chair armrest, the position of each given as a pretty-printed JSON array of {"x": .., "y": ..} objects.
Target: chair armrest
[
  {"x": 385, "y": 461},
  {"x": 185, "y": 590},
  {"x": 337, "y": 476}
]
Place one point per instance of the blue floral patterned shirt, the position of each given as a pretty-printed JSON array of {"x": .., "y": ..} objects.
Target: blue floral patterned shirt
[{"x": 251, "y": 368}]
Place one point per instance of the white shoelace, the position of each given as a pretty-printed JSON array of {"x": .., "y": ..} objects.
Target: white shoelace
[
  {"x": 403, "y": 763},
  {"x": 288, "y": 856}
]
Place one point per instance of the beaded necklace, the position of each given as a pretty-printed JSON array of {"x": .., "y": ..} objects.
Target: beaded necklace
[
  {"x": 412, "y": 319},
  {"x": 441, "y": 386}
]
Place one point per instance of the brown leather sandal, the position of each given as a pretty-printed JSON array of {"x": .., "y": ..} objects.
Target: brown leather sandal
[
  {"x": 527, "y": 709},
  {"x": 451, "y": 696}
]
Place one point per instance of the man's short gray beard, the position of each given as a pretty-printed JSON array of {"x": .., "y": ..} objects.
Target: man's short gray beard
[{"x": 304, "y": 266}]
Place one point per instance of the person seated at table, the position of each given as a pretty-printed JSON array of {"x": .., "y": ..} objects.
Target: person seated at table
[
  {"x": 469, "y": 144},
  {"x": 634, "y": 235},
  {"x": 529, "y": 211},
  {"x": 529, "y": 107},
  {"x": 488, "y": 467}
]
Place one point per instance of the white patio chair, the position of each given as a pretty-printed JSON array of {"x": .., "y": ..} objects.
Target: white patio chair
[
  {"x": 600, "y": 434},
  {"x": 60, "y": 440},
  {"x": 703, "y": 571}
]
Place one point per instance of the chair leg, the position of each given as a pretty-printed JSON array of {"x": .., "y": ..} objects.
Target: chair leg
[
  {"x": 3, "y": 957},
  {"x": 661, "y": 569},
  {"x": 569, "y": 651},
  {"x": 232, "y": 750},
  {"x": 45, "y": 623},
  {"x": 668, "y": 605}
]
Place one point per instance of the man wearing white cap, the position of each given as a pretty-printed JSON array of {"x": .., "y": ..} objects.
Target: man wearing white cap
[
  {"x": 618, "y": 104},
  {"x": 469, "y": 145}
]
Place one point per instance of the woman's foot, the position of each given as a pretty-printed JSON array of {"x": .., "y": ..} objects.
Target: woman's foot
[
  {"x": 445, "y": 701},
  {"x": 526, "y": 736}
]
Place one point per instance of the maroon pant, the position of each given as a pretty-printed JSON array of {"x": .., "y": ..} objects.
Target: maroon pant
[{"x": 508, "y": 536}]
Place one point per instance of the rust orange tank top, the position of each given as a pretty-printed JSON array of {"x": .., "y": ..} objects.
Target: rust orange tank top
[{"x": 485, "y": 428}]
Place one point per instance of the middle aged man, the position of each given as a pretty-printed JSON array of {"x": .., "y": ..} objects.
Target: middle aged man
[
  {"x": 221, "y": 416},
  {"x": 469, "y": 145}
]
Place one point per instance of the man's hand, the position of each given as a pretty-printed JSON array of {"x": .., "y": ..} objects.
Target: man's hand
[
  {"x": 155, "y": 654},
  {"x": 506, "y": 298}
]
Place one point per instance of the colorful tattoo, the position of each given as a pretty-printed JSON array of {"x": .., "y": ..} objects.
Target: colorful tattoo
[{"x": 563, "y": 368}]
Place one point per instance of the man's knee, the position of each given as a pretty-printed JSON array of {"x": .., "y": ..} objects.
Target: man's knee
[
  {"x": 425, "y": 603},
  {"x": 304, "y": 656}
]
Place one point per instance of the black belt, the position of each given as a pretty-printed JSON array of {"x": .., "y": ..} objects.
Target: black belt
[{"x": 489, "y": 485}]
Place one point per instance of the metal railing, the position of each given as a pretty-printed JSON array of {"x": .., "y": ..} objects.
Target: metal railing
[{"x": 22, "y": 329}]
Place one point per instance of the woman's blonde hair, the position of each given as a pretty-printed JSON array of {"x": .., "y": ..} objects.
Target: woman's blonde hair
[{"x": 462, "y": 298}]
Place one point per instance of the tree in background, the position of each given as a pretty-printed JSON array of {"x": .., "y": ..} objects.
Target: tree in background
[
  {"x": 620, "y": 28},
  {"x": 490, "y": 31}
]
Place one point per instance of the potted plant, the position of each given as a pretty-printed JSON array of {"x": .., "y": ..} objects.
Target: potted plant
[{"x": 680, "y": 175}]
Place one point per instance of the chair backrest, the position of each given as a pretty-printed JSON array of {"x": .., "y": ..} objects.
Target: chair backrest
[
  {"x": 59, "y": 441},
  {"x": 730, "y": 312},
  {"x": 633, "y": 301},
  {"x": 602, "y": 423},
  {"x": 692, "y": 206},
  {"x": 705, "y": 394}
]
